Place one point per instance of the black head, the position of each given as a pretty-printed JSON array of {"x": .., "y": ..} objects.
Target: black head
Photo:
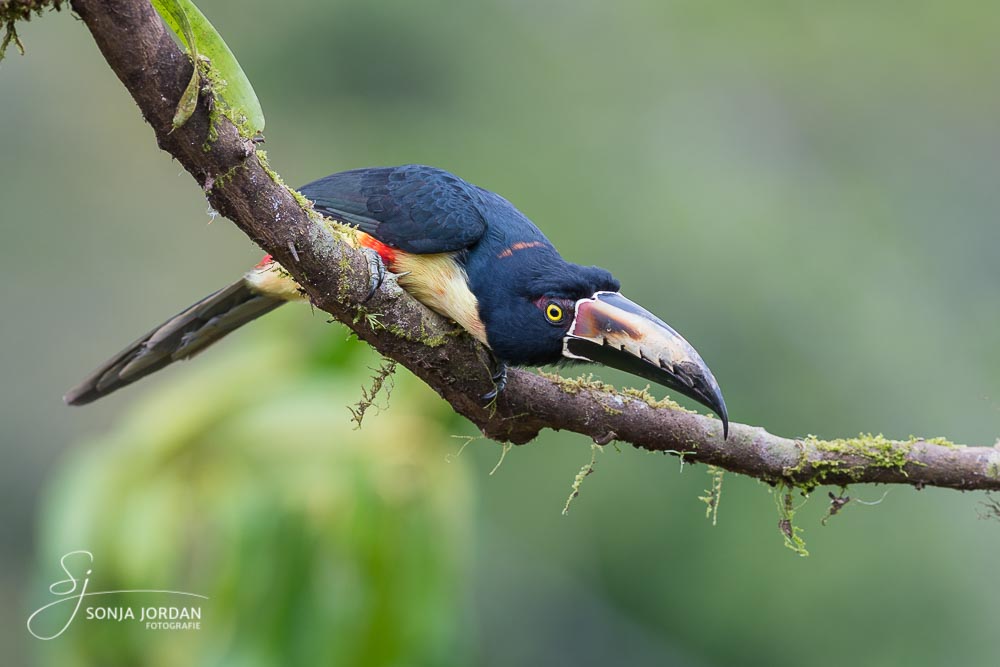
[
  {"x": 539, "y": 309},
  {"x": 529, "y": 307}
]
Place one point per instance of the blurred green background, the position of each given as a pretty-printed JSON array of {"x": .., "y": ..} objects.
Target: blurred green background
[{"x": 808, "y": 191}]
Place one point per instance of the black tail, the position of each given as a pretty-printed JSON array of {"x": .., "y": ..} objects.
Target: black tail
[{"x": 180, "y": 337}]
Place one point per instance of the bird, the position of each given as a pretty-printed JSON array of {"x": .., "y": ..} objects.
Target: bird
[{"x": 466, "y": 253}]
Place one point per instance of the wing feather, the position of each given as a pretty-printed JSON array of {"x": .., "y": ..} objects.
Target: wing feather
[{"x": 414, "y": 208}]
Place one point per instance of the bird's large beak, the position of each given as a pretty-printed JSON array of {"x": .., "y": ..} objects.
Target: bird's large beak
[{"x": 611, "y": 330}]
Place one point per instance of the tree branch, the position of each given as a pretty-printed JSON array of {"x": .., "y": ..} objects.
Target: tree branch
[{"x": 241, "y": 186}]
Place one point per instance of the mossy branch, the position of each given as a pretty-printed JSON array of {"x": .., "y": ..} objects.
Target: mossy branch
[{"x": 241, "y": 186}]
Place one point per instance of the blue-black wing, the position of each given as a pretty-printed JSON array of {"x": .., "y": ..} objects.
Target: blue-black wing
[{"x": 414, "y": 208}]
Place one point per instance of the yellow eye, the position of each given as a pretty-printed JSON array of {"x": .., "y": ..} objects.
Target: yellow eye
[{"x": 553, "y": 312}]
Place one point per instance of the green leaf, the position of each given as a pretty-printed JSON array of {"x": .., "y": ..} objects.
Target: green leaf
[
  {"x": 239, "y": 94},
  {"x": 177, "y": 19},
  {"x": 189, "y": 100},
  {"x": 231, "y": 83}
]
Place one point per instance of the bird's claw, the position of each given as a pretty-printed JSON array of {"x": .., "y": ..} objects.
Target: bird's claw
[
  {"x": 499, "y": 378},
  {"x": 376, "y": 272}
]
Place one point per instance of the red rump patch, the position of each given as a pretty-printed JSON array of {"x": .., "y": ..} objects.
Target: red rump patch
[{"x": 387, "y": 254}]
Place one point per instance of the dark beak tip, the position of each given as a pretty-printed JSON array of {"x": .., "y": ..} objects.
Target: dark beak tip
[
  {"x": 718, "y": 406},
  {"x": 708, "y": 393}
]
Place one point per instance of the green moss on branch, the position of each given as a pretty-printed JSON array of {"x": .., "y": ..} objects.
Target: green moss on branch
[{"x": 854, "y": 458}]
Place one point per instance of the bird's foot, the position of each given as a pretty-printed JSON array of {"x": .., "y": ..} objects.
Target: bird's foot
[
  {"x": 499, "y": 378},
  {"x": 376, "y": 272}
]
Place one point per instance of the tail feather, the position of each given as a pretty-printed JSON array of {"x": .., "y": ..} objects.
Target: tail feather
[{"x": 180, "y": 337}]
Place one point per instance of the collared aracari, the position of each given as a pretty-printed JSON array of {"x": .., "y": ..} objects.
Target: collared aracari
[{"x": 466, "y": 253}]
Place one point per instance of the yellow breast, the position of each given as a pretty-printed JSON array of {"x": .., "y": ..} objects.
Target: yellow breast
[
  {"x": 435, "y": 280},
  {"x": 440, "y": 283}
]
